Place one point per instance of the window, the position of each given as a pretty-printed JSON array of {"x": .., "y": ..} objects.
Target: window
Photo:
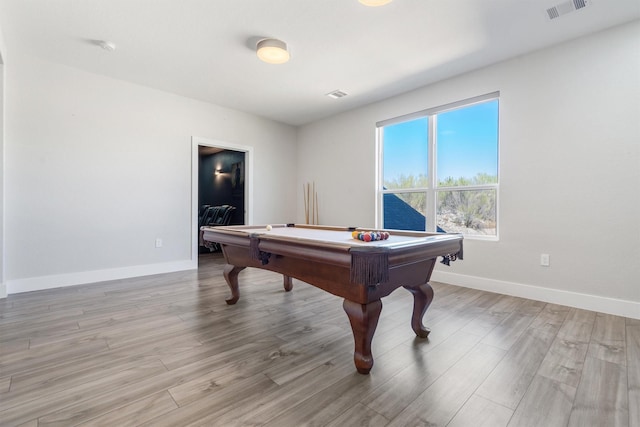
[{"x": 439, "y": 169}]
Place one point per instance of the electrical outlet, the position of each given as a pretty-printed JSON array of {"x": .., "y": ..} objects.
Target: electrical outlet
[
  {"x": 158, "y": 243},
  {"x": 544, "y": 260}
]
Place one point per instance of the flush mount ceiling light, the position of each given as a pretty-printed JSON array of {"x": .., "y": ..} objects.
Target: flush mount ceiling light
[
  {"x": 272, "y": 51},
  {"x": 374, "y": 3}
]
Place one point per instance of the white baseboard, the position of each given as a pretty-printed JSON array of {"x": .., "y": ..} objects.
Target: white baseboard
[
  {"x": 70, "y": 279},
  {"x": 601, "y": 304},
  {"x": 3, "y": 290}
]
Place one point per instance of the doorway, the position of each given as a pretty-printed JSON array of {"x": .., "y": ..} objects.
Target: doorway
[{"x": 221, "y": 187}]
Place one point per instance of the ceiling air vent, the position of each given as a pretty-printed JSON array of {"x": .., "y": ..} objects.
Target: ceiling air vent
[
  {"x": 566, "y": 7},
  {"x": 337, "y": 94}
]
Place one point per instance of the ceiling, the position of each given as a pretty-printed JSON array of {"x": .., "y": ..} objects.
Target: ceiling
[{"x": 204, "y": 49}]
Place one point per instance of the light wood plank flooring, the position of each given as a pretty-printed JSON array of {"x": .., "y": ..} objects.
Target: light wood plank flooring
[{"x": 167, "y": 351}]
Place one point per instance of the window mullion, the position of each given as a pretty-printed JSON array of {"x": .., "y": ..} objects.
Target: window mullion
[
  {"x": 470, "y": 187},
  {"x": 431, "y": 168}
]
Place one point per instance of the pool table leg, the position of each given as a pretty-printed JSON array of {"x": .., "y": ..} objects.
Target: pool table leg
[
  {"x": 288, "y": 283},
  {"x": 422, "y": 297},
  {"x": 231, "y": 276},
  {"x": 364, "y": 320}
]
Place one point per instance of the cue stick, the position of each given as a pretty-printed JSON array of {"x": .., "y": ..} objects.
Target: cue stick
[
  {"x": 305, "y": 191},
  {"x": 315, "y": 205}
]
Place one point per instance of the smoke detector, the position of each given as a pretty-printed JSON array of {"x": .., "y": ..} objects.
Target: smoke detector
[{"x": 567, "y": 7}]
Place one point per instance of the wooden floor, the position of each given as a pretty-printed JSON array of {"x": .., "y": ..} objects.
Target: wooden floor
[{"x": 167, "y": 351}]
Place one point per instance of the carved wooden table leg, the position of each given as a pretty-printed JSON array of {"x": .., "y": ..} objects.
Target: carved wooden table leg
[
  {"x": 288, "y": 283},
  {"x": 422, "y": 297},
  {"x": 231, "y": 276},
  {"x": 364, "y": 320}
]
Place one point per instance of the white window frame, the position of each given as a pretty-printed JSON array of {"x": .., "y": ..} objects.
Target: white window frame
[{"x": 432, "y": 189}]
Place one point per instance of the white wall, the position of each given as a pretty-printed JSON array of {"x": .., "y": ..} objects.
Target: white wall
[
  {"x": 97, "y": 169},
  {"x": 3, "y": 55},
  {"x": 569, "y": 171}
]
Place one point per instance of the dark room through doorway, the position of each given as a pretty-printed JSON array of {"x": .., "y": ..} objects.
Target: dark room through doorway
[{"x": 221, "y": 189}]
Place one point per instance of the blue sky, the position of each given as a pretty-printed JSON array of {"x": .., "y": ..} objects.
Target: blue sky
[{"x": 467, "y": 143}]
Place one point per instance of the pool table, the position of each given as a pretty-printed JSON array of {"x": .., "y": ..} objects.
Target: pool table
[{"x": 331, "y": 259}]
